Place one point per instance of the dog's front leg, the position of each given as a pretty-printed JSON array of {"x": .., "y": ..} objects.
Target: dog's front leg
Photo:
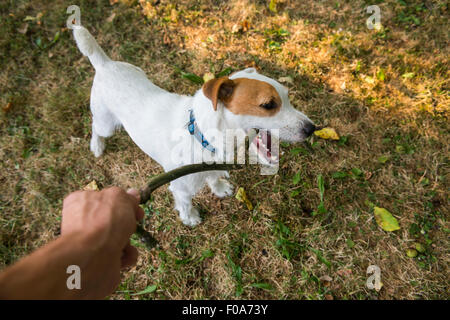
[
  {"x": 219, "y": 185},
  {"x": 183, "y": 190}
]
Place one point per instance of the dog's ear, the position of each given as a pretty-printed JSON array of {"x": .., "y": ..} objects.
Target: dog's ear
[{"x": 218, "y": 89}]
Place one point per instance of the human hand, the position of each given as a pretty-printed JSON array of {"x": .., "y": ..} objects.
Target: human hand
[{"x": 107, "y": 218}]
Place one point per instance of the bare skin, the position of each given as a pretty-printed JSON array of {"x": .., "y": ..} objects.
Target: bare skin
[{"x": 95, "y": 235}]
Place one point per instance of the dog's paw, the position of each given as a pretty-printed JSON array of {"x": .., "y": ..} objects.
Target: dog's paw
[
  {"x": 222, "y": 188},
  {"x": 97, "y": 146},
  {"x": 192, "y": 219}
]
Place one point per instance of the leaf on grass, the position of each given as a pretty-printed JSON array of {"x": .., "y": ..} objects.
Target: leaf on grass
[
  {"x": 7, "y": 107},
  {"x": 242, "y": 197},
  {"x": 327, "y": 133},
  {"x": 91, "y": 186},
  {"x": 321, "y": 258},
  {"x": 383, "y": 159},
  {"x": 224, "y": 72},
  {"x": 208, "y": 76},
  {"x": 23, "y": 29},
  {"x": 296, "y": 151},
  {"x": 296, "y": 178},
  {"x": 412, "y": 253},
  {"x": 339, "y": 175},
  {"x": 381, "y": 75},
  {"x": 273, "y": 6},
  {"x": 369, "y": 80},
  {"x": 408, "y": 75},
  {"x": 149, "y": 289},
  {"x": 265, "y": 286},
  {"x": 385, "y": 219},
  {"x": 420, "y": 247},
  {"x": 192, "y": 77},
  {"x": 286, "y": 80}
]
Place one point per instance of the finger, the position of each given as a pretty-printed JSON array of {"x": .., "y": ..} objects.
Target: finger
[
  {"x": 134, "y": 193},
  {"x": 129, "y": 256},
  {"x": 138, "y": 210}
]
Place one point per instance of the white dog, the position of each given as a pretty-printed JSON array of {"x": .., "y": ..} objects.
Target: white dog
[{"x": 122, "y": 95}]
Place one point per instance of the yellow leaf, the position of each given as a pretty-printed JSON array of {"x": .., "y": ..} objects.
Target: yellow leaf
[
  {"x": 91, "y": 186},
  {"x": 385, "y": 219},
  {"x": 242, "y": 197},
  {"x": 327, "y": 133},
  {"x": 208, "y": 76},
  {"x": 273, "y": 6},
  {"x": 369, "y": 80}
]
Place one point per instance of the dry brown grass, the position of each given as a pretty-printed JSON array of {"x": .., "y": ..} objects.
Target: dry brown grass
[{"x": 321, "y": 45}]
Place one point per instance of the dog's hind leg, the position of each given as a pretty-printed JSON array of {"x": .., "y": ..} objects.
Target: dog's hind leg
[{"x": 104, "y": 123}]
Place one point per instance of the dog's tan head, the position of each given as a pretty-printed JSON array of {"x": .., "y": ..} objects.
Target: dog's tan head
[
  {"x": 244, "y": 96},
  {"x": 256, "y": 101}
]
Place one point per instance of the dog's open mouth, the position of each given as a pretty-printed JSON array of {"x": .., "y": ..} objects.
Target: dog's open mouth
[{"x": 264, "y": 146}]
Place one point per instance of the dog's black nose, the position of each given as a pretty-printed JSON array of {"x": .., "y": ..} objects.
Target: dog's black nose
[{"x": 309, "y": 128}]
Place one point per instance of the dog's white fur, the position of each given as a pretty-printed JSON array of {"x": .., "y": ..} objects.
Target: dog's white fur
[{"x": 123, "y": 96}]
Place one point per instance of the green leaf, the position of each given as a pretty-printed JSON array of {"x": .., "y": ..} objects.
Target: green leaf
[
  {"x": 295, "y": 193},
  {"x": 321, "y": 258},
  {"x": 224, "y": 72},
  {"x": 192, "y": 77},
  {"x": 296, "y": 179},
  {"x": 383, "y": 159},
  {"x": 350, "y": 243},
  {"x": 296, "y": 151},
  {"x": 357, "y": 172},
  {"x": 381, "y": 75},
  {"x": 264, "y": 286},
  {"x": 412, "y": 253},
  {"x": 321, "y": 185},
  {"x": 149, "y": 289},
  {"x": 420, "y": 247},
  {"x": 339, "y": 175},
  {"x": 385, "y": 219}
]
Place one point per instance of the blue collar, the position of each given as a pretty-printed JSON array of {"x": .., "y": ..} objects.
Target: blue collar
[{"x": 194, "y": 131}]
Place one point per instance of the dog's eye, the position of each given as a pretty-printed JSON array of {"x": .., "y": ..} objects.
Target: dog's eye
[{"x": 269, "y": 105}]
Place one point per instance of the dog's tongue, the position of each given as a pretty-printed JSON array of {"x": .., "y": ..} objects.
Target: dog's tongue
[{"x": 263, "y": 143}]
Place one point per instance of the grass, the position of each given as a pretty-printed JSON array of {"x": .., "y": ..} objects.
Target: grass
[{"x": 386, "y": 92}]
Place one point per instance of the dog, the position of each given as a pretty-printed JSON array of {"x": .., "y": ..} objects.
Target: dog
[{"x": 122, "y": 96}]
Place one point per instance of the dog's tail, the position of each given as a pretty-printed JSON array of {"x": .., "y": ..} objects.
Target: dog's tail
[{"x": 89, "y": 47}]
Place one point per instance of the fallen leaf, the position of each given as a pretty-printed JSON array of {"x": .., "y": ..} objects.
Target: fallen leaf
[
  {"x": 327, "y": 133},
  {"x": 412, "y": 253},
  {"x": 236, "y": 28},
  {"x": 420, "y": 247},
  {"x": 385, "y": 219},
  {"x": 273, "y": 6},
  {"x": 111, "y": 17},
  {"x": 208, "y": 76},
  {"x": 245, "y": 25},
  {"x": 408, "y": 75},
  {"x": 242, "y": 197},
  {"x": 91, "y": 186},
  {"x": 383, "y": 159},
  {"x": 23, "y": 29},
  {"x": 149, "y": 289},
  {"x": 344, "y": 272},
  {"x": 286, "y": 80},
  {"x": 369, "y": 80},
  {"x": 326, "y": 278},
  {"x": 329, "y": 297},
  {"x": 7, "y": 107}
]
